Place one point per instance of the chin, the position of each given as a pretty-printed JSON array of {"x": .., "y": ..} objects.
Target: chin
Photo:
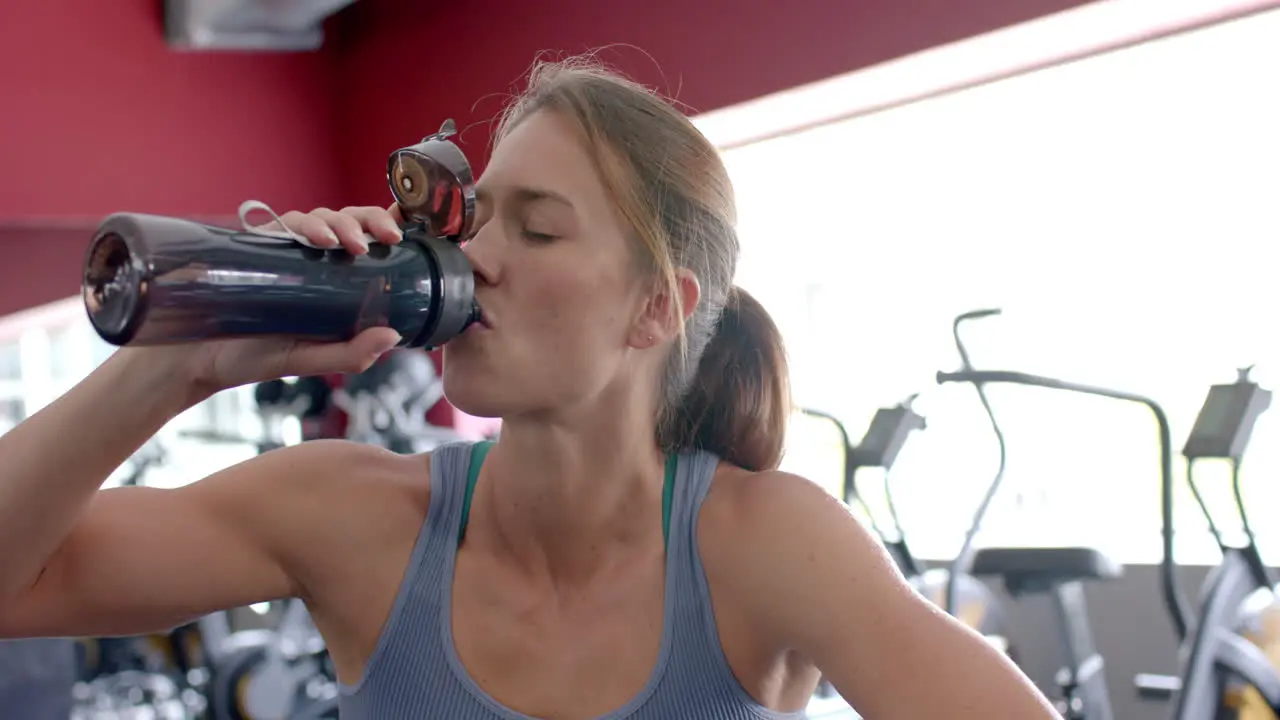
[{"x": 472, "y": 395}]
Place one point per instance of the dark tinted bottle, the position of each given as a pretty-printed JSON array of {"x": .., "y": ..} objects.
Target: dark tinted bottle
[{"x": 152, "y": 280}]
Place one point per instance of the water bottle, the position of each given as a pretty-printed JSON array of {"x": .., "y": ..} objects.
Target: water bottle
[{"x": 151, "y": 280}]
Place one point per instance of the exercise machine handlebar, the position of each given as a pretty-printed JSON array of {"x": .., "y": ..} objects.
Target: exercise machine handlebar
[
  {"x": 961, "y": 563},
  {"x": 1175, "y": 604},
  {"x": 846, "y": 469},
  {"x": 879, "y": 447}
]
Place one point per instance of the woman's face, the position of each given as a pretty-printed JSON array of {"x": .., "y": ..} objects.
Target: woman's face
[{"x": 556, "y": 277}]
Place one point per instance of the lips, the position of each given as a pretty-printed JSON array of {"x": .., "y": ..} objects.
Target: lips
[{"x": 485, "y": 319}]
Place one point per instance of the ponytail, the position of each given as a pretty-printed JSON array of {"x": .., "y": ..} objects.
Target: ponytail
[{"x": 739, "y": 402}]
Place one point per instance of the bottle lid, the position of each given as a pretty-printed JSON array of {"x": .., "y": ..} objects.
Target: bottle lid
[{"x": 433, "y": 184}]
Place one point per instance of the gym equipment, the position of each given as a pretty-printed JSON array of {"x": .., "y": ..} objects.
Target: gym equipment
[
  {"x": 884, "y": 439},
  {"x": 306, "y": 400},
  {"x": 129, "y": 695},
  {"x": 282, "y": 673},
  {"x": 387, "y": 404},
  {"x": 1229, "y": 655},
  {"x": 1059, "y": 571},
  {"x": 151, "y": 280},
  {"x": 962, "y": 563},
  {"x": 132, "y": 676}
]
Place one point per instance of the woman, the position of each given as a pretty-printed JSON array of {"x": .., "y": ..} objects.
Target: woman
[{"x": 627, "y": 549}]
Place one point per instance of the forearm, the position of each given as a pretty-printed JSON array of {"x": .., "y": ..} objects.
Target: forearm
[{"x": 52, "y": 464}]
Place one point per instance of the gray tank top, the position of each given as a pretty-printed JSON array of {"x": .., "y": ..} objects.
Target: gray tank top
[{"x": 415, "y": 672}]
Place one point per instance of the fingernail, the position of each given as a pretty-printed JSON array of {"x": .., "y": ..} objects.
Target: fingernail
[
  {"x": 331, "y": 236},
  {"x": 394, "y": 230}
]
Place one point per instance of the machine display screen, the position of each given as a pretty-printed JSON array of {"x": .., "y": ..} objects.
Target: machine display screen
[{"x": 1216, "y": 417}]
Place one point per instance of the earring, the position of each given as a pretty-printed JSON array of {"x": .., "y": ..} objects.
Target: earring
[{"x": 650, "y": 338}]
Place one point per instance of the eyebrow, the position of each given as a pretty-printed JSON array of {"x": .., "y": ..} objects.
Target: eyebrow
[{"x": 525, "y": 195}]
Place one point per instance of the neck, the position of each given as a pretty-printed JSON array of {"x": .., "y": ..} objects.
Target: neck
[{"x": 567, "y": 496}]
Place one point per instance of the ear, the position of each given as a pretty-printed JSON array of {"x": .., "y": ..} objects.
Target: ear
[{"x": 661, "y": 319}]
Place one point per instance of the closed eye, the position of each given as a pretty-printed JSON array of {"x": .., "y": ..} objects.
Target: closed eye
[{"x": 538, "y": 237}]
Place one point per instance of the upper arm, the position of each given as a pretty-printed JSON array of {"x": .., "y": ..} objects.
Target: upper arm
[
  {"x": 818, "y": 583},
  {"x": 146, "y": 559}
]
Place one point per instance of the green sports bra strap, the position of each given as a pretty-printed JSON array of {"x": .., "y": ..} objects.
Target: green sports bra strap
[
  {"x": 478, "y": 452},
  {"x": 481, "y": 449},
  {"x": 668, "y": 491}
]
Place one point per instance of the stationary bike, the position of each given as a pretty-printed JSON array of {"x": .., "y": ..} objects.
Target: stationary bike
[{"x": 1229, "y": 654}]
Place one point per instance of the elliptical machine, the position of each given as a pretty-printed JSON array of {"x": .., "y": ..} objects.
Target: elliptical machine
[
  {"x": 1228, "y": 653},
  {"x": 1059, "y": 572}
]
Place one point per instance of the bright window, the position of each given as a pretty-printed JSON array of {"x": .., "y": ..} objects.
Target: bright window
[
  {"x": 47, "y": 350},
  {"x": 1122, "y": 209}
]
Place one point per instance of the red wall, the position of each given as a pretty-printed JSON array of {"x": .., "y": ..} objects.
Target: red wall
[
  {"x": 100, "y": 115},
  {"x": 403, "y": 71},
  {"x": 97, "y": 115}
]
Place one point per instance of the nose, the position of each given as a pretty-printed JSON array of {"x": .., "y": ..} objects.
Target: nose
[{"x": 483, "y": 265}]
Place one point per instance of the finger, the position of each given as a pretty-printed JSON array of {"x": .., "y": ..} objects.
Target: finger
[
  {"x": 284, "y": 224},
  {"x": 348, "y": 229},
  {"x": 378, "y": 222},
  {"x": 374, "y": 341},
  {"x": 276, "y": 225},
  {"x": 396, "y": 214},
  {"x": 312, "y": 228},
  {"x": 354, "y": 356}
]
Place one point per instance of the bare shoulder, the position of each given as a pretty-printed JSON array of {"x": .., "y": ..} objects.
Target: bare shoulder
[
  {"x": 744, "y": 507},
  {"x": 781, "y": 542}
]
